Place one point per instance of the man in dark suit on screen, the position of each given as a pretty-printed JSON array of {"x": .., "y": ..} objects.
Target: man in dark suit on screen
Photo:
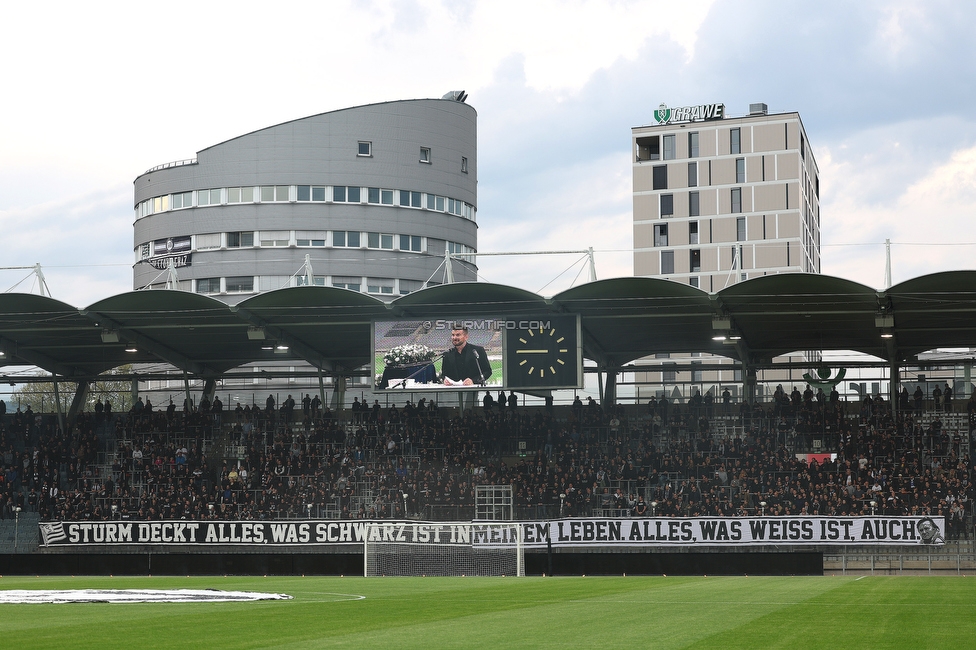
[{"x": 465, "y": 364}]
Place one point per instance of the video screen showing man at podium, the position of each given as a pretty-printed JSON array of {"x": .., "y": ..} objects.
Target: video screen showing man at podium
[
  {"x": 464, "y": 364},
  {"x": 437, "y": 353}
]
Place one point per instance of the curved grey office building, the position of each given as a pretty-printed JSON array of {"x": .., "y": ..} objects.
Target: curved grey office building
[{"x": 367, "y": 198}]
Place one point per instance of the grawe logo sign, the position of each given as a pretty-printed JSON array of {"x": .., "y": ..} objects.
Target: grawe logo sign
[{"x": 699, "y": 113}]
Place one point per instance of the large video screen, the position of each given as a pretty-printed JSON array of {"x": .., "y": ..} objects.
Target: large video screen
[{"x": 477, "y": 353}]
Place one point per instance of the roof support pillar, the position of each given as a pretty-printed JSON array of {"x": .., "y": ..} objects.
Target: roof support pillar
[
  {"x": 134, "y": 392},
  {"x": 321, "y": 387},
  {"x": 748, "y": 382},
  {"x": 188, "y": 400},
  {"x": 894, "y": 372},
  {"x": 57, "y": 403},
  {"x": 209, "y": 388},
  {"x": 610, "y": 390},
  {"x": 78, "y": 402},
  {"x": 339, "y": 393}
]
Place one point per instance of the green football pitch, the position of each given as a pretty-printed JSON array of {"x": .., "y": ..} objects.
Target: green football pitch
[{"x": 581, "y": 612}]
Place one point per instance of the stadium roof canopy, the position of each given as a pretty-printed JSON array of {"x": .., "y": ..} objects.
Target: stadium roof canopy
[{"x": 622, "y": 319}]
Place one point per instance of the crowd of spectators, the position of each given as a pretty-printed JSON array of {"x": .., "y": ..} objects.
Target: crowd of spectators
[{"x": 298, "y": 459}]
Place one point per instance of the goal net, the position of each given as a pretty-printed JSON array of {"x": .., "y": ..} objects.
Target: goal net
[{"x": 443, "y": 549}]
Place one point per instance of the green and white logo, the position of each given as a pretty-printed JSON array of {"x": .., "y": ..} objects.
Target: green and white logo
[
  {"x": 665, "y": 115},
  {"x": 662, "y": 114}
]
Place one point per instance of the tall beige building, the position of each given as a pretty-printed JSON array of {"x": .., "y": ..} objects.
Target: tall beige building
[{"x": 720, "y": 199}]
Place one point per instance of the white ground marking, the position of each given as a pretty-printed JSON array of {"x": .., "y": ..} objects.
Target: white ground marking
[{"x": 132, "y": 596}]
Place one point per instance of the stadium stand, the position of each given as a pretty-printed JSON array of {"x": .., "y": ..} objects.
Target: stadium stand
[{"x": 420, "y": 461}]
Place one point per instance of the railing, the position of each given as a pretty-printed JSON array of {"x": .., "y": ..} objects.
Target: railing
[
  {"x": 954, "y": 557},
  {"x": 175, "y": 163}
]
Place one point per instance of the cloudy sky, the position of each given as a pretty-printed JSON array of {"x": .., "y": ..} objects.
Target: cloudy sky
[{"x": 96, "y": 93}]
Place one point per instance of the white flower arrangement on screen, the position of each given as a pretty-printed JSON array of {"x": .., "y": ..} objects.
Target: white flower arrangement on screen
[{"x": 404, "y": 355}]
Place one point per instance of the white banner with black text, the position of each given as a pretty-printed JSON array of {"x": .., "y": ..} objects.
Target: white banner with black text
[{"x": 565, "y": 533}]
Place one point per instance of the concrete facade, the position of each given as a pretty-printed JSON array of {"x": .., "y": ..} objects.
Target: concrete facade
[
  {"x": 720, "y": 201},
  {"x": 373, "y": 195}
]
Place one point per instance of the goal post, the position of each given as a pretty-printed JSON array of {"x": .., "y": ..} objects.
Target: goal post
[{"x": 477, "y": 548}]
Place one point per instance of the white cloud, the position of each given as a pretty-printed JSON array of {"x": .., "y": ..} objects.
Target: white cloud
[
  {"x": 929, "y": 221},
  {"x": 100, "y": 92}
]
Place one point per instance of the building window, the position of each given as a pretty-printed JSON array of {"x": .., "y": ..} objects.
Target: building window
[
  {"x": 304, "y": 193},
  {"x": 669, "y": 153},
  {"x": 318, "y": 194},
  {"x": 425, "y": 155},
  {"x": 740, "y": 229},
  {"x": 379, "y": 285},
  {"x": 667, "y": 262},
  {"x": 464, "y": 165},
  {"x": 695, "y": 260},
  {"x": 349, "y": 194},
  {"x": 241, "y": 284},
  {"x": 379, "y": 240},
  {"x": 649, "y": 148},
  {"x": 274, "y": 238},
  {"x": 240, "y": 239},
  {"x": 310, "y": 238},
  {"x": 740, "y": 170},
  {"x": 736, "y": 199},
  {"x": 693, "y": 144},
  {"x": 345, "y": 239},
  {"x": 352, "y": 283},
  {"x": 408, "y": 286},
  {"x": 734, "y": 141},
  {"x": 208, "y": 285},
  {"x": 461, "y": 251},
  {"x": 208, "y": 241},
  {"x": 411, "y": 243},
  {"x": 669, "y": 376},
  {"x": 207, "y": 197},
  {"x": 274, "y": 193},
  {"x": 694, "y": 204},
  {"x": 377, "y": 195},
  {"x": 365, "y": 148},
  {"x": 240, "y": 195},
  {"x": 183, "y": 200},
  {"x": 660, "y": 177},
  {"x": 410, "y": 199},
  {"x": 696, "y": 373},
  {"x": 661, "y": 234},
  {"x": 302, "y": 281},
  {"x": 667, "y": 205},
  {"x": 692, "y": 174},
  {"x": 693, "y": 281},
  {"x": 692, "y": 232}
]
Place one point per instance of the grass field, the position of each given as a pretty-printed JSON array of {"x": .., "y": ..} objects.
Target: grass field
[{"x": 590, "y": 612}]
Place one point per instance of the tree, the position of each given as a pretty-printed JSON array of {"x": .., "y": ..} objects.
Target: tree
[{"x": 40, "y": 395}]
